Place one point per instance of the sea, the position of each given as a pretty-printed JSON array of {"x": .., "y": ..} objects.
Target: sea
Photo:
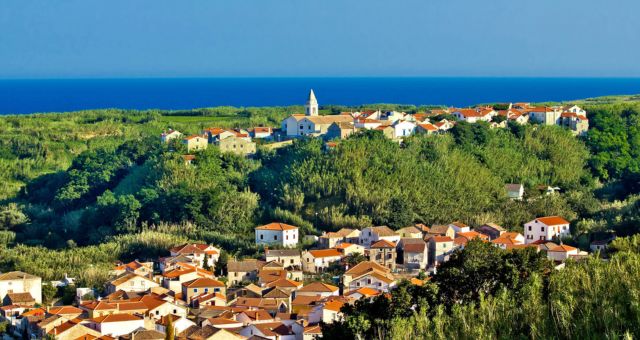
[{"x": 21, "y": 96}]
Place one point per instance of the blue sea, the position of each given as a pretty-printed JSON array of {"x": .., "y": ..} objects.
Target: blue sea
[{"x": 38, "y": 95}]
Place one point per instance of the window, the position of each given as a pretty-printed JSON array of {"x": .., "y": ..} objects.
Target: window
[
  {"x": 301, "y": 127},
  {"x": 175, "y": 311},
  {"x": 275, "y": 237},
  {"x": 529, "y": 228},
  {"x": 541, "y": 228},
  {"x": 369, "y": 281},
  {"x": 261, "y": 237},
  {"x": 195, "y": 290},
  {"x": 206, "y": 290},
  {"x": 291, "y": 261},
  {"x": 216, "y": 290}
]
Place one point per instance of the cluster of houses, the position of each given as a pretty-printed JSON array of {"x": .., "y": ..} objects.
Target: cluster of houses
[
  {"x": 238, "y": 141},
  {"x": 394, "y": 125},
  {"x": 285, "y": 294},
  {"x": 397, "y": 125}
]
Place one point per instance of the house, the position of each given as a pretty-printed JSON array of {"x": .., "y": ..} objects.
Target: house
[
  {"x": 409, "y": 232},
  {"x": 173, "y": 279},
  {"x": 368, "y": 274},
  {"x": 167, "y": 136},
  {"x": 371, "y": 235},
  {"x": 20, "y": 282},
  {"x": 209, "y": 332},
  {"x": 73, "y": 329},
  {"x": 316, "y": 261},
  {"x": 290, "y": 125},
  {"x": 115, "y": 324},
  {"x": 561, "y": 252},
  {"x": 369, "y": 123},
  {"x": 197, "y": 252},
  {"x": 158, "y": 307},
  {"x": 318, "y": 289},
  {"x": 195, "y": 142},
  {"x": 130, "y": 282},
  {"x": 330, "y": 239},
  {"x": 245, "y": 270},
  {"x": 200, "y": 286},
  {"x": 600, "y": 245},
  {"x": 463, "y": 238},
  {"x": 326, "y": 312},
  {"x": 415, "y": 255},
  {"x": 474, "y": 115},
  {"x": 349, "y": 235},
  {"x": 237, "y": 145},
  {"x": 261, "y": 132},
  {"x": 403, "y": 129},
  {"x": 545, "y": 115},
  {"x": 19, "y": 299},
  {"x": 286, "y": 257},
  {"x": 136, "y": 267},
  {"x": 387, "y": 130},
  {"x": 514, "y": 191},
  {"x": 272, "y": 330},
  {"x": 508, "y": 240},
  {"x": 546, "y": 228},
  {"x": 440, "y": 247},
  {"x": 491, "y": 229},
  {"x": 319, "y": 125},
  {"x": 427, "y": 128},
  {"x": 277, "y": 233},
  {"x": 441, "y": 230},
  {"x": 364, "y": 292},
  {"x": 383, "y": 253},
  {"x": 347, "y": 249},
  {"x": 577, "y": 123},
  {"x": 340, "y": 130},
  {"x": 459, "y": 227},
  {"x": 393, "y": 116},
  {"x": 179, "y": 323}
]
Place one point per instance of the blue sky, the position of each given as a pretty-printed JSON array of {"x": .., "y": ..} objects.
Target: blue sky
[{"x": 168, "y": 38}]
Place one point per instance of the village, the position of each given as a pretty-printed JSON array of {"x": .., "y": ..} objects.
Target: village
[
  {"x": 392, "y": 124},
  {"x": 281, "y": 295},
  {"x": 292, "y": 288}
]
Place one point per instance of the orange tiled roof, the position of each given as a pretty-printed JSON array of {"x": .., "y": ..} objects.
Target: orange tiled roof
[
  {"x": 325, "y": 253},
  {"x": 276, "y": 226},
  {"x": 552, "y": 220}
]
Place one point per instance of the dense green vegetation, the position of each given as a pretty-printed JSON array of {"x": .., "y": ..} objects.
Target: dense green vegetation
[
  {"x": 484, "y": 292},
  {"x": 78, "y": 182}
]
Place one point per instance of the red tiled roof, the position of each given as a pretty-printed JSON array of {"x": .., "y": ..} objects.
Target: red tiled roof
[
  {"x": 552, "y": 220},
  {"x": 325, "y": 253},
  {"x": 276, "y": 226}
]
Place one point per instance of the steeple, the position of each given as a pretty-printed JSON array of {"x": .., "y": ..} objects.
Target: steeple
[{"x": 311, "y": 107}]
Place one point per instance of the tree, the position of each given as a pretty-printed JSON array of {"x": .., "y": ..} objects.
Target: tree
[
  {"x": 221, "y": 264},
  {"x": 11, "y": 216},
  {"x": 169, "y": 333},
  {"x": 48, "y": 293},
  {"x": 205, "y": 262}
]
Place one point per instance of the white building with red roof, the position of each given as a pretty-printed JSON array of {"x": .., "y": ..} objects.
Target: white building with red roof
[
  {"x": 546, "y": 229},
  {"x": 277, "y": 233}
]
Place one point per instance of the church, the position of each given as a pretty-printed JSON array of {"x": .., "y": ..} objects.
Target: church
[{"x": 310, "y": 123}]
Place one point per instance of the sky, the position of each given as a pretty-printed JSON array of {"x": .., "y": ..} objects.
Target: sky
[{"x": 285, "y": 38}]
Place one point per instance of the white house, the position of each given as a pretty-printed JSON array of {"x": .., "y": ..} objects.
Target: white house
[
  {"x": 460, "y": 227},
  {"x": 116, "y": 324},
  {"x": 20, "y": 282},
  {"x": 179, "y": 324},
  {"x": 545, "y": 229},
  {"x": 315, "y": 261},
  {"x": 372, "y": 235},
  {"x": 290, "y": 125},
  {"x": 273, "y": 330},
  {"x": 167, "y": 136},
  {"x": 403, "y": 129},
  {"x": 318, "y": 289},
  {"x": 545, "y": 115},
  {"x": 277, "y": 233},
  {"x": 474, "y": 115},
  {"x": 514, "y": 191}
]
